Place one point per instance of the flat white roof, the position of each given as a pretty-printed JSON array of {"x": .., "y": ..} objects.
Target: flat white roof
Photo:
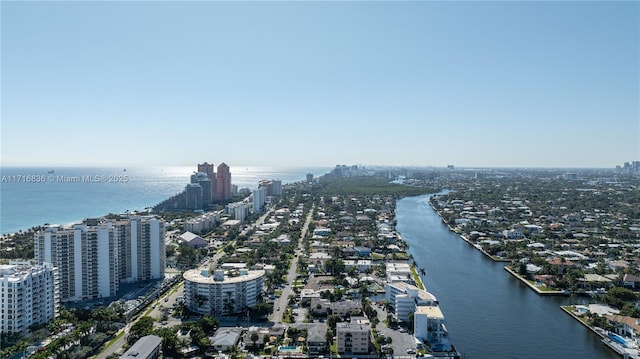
[
  {"x": 431, "y": 311},
  {"x": 196, "y": 276}
]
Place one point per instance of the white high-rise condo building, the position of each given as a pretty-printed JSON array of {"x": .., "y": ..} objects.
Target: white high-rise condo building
[
  {"x": 28, "y": 296},
  {"x": 95, "y": 256}
]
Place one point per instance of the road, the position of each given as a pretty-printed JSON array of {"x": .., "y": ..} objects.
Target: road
[
  {"x": 282, "y": 302},
  {"x": 276, "y": 317}
]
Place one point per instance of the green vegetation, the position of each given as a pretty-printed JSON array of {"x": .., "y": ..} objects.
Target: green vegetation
[
  {"x": 416, "y": 278},
  {"x": 366, "y": 186}
]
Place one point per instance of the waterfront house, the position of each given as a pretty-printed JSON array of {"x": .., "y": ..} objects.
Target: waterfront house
[{"x": 625, "y": 325}]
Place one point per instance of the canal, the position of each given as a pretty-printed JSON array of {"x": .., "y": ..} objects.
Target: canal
[{"x": 489, "y": 314}]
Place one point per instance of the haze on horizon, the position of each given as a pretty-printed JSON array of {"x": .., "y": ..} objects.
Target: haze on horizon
[{"x": 474, "y": 84}]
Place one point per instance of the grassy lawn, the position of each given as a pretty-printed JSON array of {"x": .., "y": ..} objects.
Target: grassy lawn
[
  {"x": 416, "y": 278},
  {"x": 375, "y": 256},
  {"x": 400, "y": 256},
  {"x": 542, "y": 288}
]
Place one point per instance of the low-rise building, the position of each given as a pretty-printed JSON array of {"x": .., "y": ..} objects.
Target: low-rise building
[
  {"x": 428, "y": 323},
  {"x": 316, "y": 339},
  {"x": 354, "y": 337},
  {"x": 147, "y": 347},
  {"x": 225, "y": 338},
  {"x": 405, "y": 297},
  {"x": 346, "y": 308}
]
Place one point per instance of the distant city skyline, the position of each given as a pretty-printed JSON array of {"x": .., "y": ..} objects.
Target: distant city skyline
[{"x": 473, "y": 84}]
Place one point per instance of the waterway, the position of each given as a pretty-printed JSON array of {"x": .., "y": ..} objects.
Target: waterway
[{"x": 489, "y": 314}]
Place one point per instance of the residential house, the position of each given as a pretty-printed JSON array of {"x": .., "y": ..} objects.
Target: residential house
[{"x": 225, "y": 338}]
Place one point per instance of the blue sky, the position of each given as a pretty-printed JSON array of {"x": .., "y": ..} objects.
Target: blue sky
[{"x": 509, "y": 84}]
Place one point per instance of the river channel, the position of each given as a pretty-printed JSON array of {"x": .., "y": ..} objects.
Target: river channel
[{"x": 489, "y": 314}]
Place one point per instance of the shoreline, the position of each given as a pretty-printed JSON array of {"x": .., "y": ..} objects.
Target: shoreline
[
  {"x": 605, "y": 340},
  {"x": 535, "y": 288},
  {"x": 469, "y": 242},
  {"x": 505, "y": 260}
]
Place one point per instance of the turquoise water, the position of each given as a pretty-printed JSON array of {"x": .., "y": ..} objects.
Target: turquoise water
[
  {"x": 26, "y": 204},
  {"x": 287, "y": 348},
  {"x": 618, "y": 339}
]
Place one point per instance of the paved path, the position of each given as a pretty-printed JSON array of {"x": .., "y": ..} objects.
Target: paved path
[{"x": 281, "y": 303}]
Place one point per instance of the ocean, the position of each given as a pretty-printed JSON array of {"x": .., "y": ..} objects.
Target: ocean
[{"x": 32, "y": 196}]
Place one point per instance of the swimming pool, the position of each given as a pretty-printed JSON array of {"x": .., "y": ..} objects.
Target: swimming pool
[
  {"x": 290, "y": 348},
  {"x": 618, "y": 339}
]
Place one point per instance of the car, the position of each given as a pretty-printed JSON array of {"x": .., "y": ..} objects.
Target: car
[
  {"x": 166, "y": 299},
  {"x": 411, "y": 351}
]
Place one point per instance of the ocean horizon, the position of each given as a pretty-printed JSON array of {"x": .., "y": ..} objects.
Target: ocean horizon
[{"x": 34, "y": 196}]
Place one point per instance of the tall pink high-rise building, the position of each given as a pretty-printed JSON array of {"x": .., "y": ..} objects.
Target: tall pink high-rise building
[{"x": 223, "y": 178}]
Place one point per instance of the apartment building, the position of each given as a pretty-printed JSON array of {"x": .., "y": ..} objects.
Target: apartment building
[
  {"x": 405, "y": 297},
  {"x": 95, "y": 256},
  {"x": 354, "y": 337},
  {"x": 28, "y": 296},
  {"x": 222, "y": 294}
]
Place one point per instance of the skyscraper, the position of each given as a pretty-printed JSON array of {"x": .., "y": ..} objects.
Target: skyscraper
[
  {"x": 94, "y": 257},
  {"x": 223, "y": 177},
  {"x": 208, "y": 169}
]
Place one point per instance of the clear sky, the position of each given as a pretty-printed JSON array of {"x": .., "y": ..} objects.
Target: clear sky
[{"x": 513, "y": 84}]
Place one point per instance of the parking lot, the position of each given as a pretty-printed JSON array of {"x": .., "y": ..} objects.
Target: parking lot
[{"x": 401, "y": 339}]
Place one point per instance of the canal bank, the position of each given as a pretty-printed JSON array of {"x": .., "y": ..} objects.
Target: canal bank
[{"x": 489, "y": 313}]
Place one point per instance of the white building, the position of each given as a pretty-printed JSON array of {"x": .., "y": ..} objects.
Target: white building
[
  {"x": 405, "y": 297},
  {"x": 353, "y": 337},
  {"x": 259, "y": 199},
  {"x": 203, "y": 223},
  {"x": 398, "y": 272},
  {"x": 428, "y": 323},
  {"x": 94, "y": 257},
  {"x": 240, "y": 210},
  {"x": 28, "y": 296},
  {"x": 221, "y": 294},
  {"x": 362, "y": 264}
]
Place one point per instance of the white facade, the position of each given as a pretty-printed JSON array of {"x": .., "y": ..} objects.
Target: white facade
[
  {"x": 362, "y": 265},
  {"x": 95, "y": 256},
  {"x": 398, "y": 272},
  {"x": 202, "y": 223},
  {"x": 221, "y": 294},
  {"x": 353, "y": 337},
  {"x": 405, "y": 297},
  {"x": 428, "y": 324},
  {"x": 28, "y": 296},
  {"x": 259, "y": 199}
]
